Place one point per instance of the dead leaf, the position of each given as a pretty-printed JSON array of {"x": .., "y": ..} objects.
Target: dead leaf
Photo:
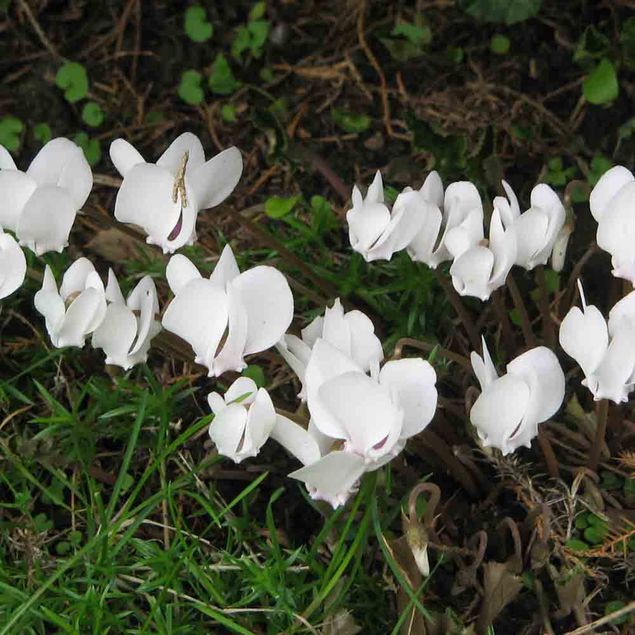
[{"x": 500, "y": 587}]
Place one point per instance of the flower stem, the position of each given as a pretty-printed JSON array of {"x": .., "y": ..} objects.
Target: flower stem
[
  {"x": 461, "y": 311},
  {"x": 519, "y": 304},
  {"x": 549, "y": 454},
  {"x": 498, "y": 297},
  {"x": 602, "y": 413},
  {"x": 548, "y": 332}
]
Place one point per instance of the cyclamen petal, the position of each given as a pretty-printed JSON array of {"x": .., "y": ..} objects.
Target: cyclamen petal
[
  {"x": 12, "y": 265},
  {"x": 164, "y": 198}
]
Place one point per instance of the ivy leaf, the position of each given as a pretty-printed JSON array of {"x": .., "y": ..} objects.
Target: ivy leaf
[
  {"x": 190, "y": 89},
  {"x": 507, "y": 11},
  {"x": 92, "y": 114},
  {"x": 10, "y": 130},
  {"x": 221, "y": 79},
  {"x": 600, "y": 85},
  {"x": 350, "y": 121},
  {"x": 279, "y": 206},
  {"x": 42, "y": 132},
  {"x": 73, "y": 80},
  {"x": 197, "y": 27}
]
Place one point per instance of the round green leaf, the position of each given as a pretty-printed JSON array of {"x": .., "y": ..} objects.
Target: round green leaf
[
  {"x": 73, "y": 80},
  {"x": 197, "y": 27},
  {"x": 228, "y": 113},
  {"x": 350, "y": 121},
  {"x": 91, "y": 147},
  {"x": 600, "y": 86},
  {"x": 190, "y": 89},
  {"x": 279, "y": 206},
  {"x": 42, "y": 132},
  {"x": 10, "y": 130},
  {"x": 221, "y": 79},
  {"x": 92, "y": 114},
  {"x": 499, "y": 44}
]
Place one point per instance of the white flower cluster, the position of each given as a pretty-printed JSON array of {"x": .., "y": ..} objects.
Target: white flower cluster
[
  {"x": 362, "y": 409},
  {"x": 436, "y": 226}
]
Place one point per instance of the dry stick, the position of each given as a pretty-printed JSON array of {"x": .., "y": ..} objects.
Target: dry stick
[
  {"x": 600, "y": 430},
  {"x": 428, "y": 348},
  {"x": 590, "y": 628},
  {"x": 550, "y": 456},
  {"x": 519, "y": 303},
  {"x": 548, "y": 332},
  {"x": 461, "y": 311},
  {"x": 24, "y": 5},
  {"x": 503, "y": 318}
]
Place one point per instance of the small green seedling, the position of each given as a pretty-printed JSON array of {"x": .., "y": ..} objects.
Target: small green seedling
[{"x": 73, "y": 80}]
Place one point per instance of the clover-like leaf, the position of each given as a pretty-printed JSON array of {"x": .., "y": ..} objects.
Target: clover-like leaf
[
  {"x": 197, "y": 27},
  {"x": 91, "y": 147},
  {"x": 499, "y": 44},
  {"x": 42, "y": 132},
  {"x": 350, "y": 121},
  {"x": 600, "y": 86},
  {"x": 190, "y": 89},
  {"x": 73, "y": 80},
  {"x": 221, "y": 79},
  {"x": 10, "y": 131},
  {"x": 92, "y": 114}
]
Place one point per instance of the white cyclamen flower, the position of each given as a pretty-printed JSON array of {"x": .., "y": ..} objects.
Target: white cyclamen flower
[
  {"x": 12, "y": 265},
  {"x": 612, "y": 203},
  {"x": 129, "y": 325},
  {"x": 164, "y": 198},
  {"x": 377, "y": 232},
  {"x": 77, "y": 309},
  {"x": 480, "y": 269},
  {"x": 453, "y": 221},
  {"x": 508, "y": 410},
  {"x": 230, "y": 314},
  {"x": 243, "y": 419},
  {"x": 40, "y": 205},
  {"x": 605, "y": 353},
  {"x": 540, "y": 230},
  {"x": 370, "y": 419},
  {"x": 352, "y": 333}
]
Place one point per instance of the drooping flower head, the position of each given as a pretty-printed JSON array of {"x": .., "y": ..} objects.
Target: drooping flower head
[
  {"x": 508, "y": 410},
  {"x": 230, "y": 314},
  {"x": 40, "y": 205},
  {"x": 75, "y": 310},
  {"x": 604, "y": 352},
  {"x": 129, "y": 324},
  {"x": 164, "y": 198}
]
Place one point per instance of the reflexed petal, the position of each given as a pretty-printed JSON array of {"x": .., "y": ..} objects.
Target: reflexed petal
[
  {"x": 614, "y": 374},
  {"x": 226, "y": 268},
  {"x": 314, "y": 330},
  {"x": 62, "y": 163},
  {"x": 12, "y": 265},
  {"x": 412, "y": 384},
  {"x": 624, "y": 310},
  {"x": 124, "y": 156},
  {"x": 180, "y": 272},
  {"x": 365, "y": 411},
  {"x": 499, "y": 410},
  {"x": 326, "y": 362},
  {"x": 616, "y": 232},
  {"x": 75, "y": 277},
  {"x": 296, "y": 353},
  {"x": 145, "y": 199},
  {"x": 113, "y": 290},
  {"x": 50, "y": 305},
  {"x": 365, "y": 225},
  {"x": 46, "y": 220},
  {"x": 460, "y": 198},
  {"x": 199, "y": 314},
  {"x": 422, "y": 245},
  {"x": 6, "y": 160},
  {"x": 375, "y": 193},
  {"x": 366, "y": 347},
  {"x": 466, "y": 234},
  {"x": 610, "y": 183},
  {"x": 296, "y": 440},
  {"x": 147, "y": 326},
  {"x": 216, "y": 402},
  {"x": 243, "y": 390},
  {"x": 541, "y": 371},
  {"x": 83, "y": 316},
  {"x": 215, "y": 180},
  {"x": 335, "y": 329},
  {"x": 432, "y": 189},
  {"x": 560, "y": 248},
  {"x": 172, "y": 158},
  {"x": 333, "y": 478},
  {"x": 115, "y": 334},
  {"x": 268, "y": 302},
  {"x": 231, "y": 355},
  {"x": 227, "y": 430},
  {"x": 16, "y": 189},
  {"x": 584, "y": 336},
  {"x": 531, "y": 228},
  {"x": 483, "y": 367},
  {"x": 137, "y": 298},
  {"x": 471, "y": 272},
  {"x": 261, "y": 420},
  {"x": 503, "y": 245}
]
